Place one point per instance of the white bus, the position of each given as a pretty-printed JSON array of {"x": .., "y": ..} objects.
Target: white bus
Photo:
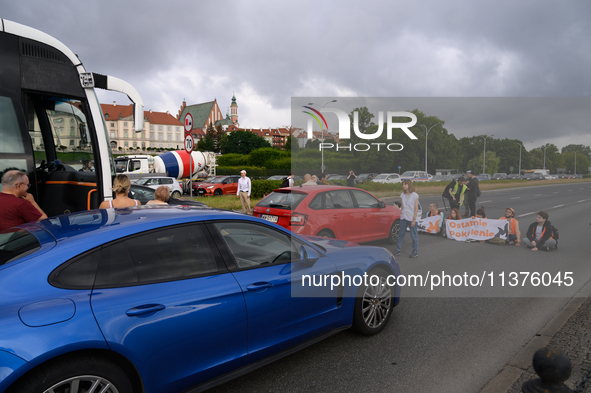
[{"x": 51, "y": 120}]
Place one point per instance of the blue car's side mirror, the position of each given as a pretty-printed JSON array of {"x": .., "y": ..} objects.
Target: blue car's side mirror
[{"x": 308, "y": 254}]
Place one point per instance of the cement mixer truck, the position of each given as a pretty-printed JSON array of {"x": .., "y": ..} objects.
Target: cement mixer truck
[{"x": 173, "y": 163}]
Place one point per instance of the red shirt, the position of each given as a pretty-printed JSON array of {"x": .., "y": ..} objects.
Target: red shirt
[{"x": 16, "y": 211}]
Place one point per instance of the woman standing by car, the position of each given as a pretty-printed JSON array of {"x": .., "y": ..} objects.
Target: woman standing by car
[
  {"x": 408, "y": 217},
  {"x": 121, "y": 186}
]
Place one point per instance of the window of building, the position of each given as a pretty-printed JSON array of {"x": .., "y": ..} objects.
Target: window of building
[
  {"x": 143, "y": 135},
  {"x": 143, "y": 145},
  {"x": 169, "y": 137},
  {"x": 126, "y": 144},
  {"x": 112, "y": 124},
  {"x": 71, "y": 142},
  {"x": 151, "y": 126},
  {"x": 112, "y": 135},
  {"x": 169, "y": 128},
  {"x": 151, "y": 135},
  {"x": 178, "y": 137},
  {"x": 125, "y": 123},
  {"x": 125, "y": 134},
  {"x": 134, "y": 144},
  {"x": 160, "y": 137},
  {"x": 178, "y": 129},
  {"x": 159, "y": 128}
]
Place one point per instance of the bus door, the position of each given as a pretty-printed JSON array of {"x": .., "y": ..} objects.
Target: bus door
[{"x": 63, "y": 179}]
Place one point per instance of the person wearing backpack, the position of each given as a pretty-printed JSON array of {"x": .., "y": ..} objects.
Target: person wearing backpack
[
  {"x": 541, "y": 234},
  {"x": 288, "y": 181}
]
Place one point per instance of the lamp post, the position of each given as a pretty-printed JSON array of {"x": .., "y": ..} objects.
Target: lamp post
[
  {"x": 575, "y": 162},
  {"x": 484, "y": 158},
  {"x": 322, "y": 140},
  {"x": 544, "y": 147},
  {"x": 426, "y": 136},
  {"x": 520, "y": 145}
]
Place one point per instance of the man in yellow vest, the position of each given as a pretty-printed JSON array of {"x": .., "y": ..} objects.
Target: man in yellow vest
[{"x": 454, "y": 191}]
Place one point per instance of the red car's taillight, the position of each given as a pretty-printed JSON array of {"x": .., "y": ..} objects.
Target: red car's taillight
[{"x": 298, "y": 219}]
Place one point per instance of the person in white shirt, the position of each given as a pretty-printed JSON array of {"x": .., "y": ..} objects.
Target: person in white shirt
[
  {"x": 408, "y": 217},
  {"x": 243, "y": 192}
]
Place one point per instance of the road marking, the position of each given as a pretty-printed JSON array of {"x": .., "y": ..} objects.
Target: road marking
[
  {"x": 484, "y": 201},
  {"x": 538, "y": 194},
  {"x": 515, "y": 197},
  {"x": 526, "y": 214},
  {"x": 570, "y": 190},
  {"x": 582, "y": 200},
  {"x": 581, "y": 188},
  {"x": 558, "y": 206},
  {"x": 556, "y": 192}
]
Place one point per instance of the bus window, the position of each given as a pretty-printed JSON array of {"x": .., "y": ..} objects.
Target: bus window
[
  {"x": 12, "y": 141},
  {"x": 61, "y": 133}
]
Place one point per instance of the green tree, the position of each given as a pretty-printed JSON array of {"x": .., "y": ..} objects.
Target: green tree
[
  {"x": 243, "y": 142},
  {"x": 207, "y": 143},
  {"x": 492, "y": 163}
]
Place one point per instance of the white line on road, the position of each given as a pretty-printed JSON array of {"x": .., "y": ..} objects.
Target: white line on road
[
  {"x": 570, "y": 190},
  {"x": 556, "y": 192},
  {"x": 558, "y": 206},
  {"x": 484, "y": 201},
  {"x": 538, "y": 194},
  {"x": 526, "y": 214},
  {"x": 582, "y": 200},
  {"x": 515, "y": 197}
]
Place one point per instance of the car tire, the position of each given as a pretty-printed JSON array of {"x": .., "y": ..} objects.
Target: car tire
[
  {"x": 218, "y": 192},
  {"x": 374, "y": 305},
  {"x": 58, "y": 376},
  {"x": 394, "y": 231},
  {"x": 326, "y": 233},
  {"x": 176, "y": 194}
]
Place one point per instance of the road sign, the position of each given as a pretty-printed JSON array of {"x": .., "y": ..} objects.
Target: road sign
[
  {"x": 189, "y": 143},
  {"x": 188, "y": 122}
]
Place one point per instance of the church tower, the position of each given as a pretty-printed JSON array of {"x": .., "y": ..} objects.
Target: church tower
[{"x": 234, "y": 111}]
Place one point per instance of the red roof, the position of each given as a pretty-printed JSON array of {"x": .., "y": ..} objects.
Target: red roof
[{"x": 115, "y": 112}]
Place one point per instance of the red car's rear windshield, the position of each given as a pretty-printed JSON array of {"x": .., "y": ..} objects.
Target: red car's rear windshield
[{"x": 282, "y": 200}]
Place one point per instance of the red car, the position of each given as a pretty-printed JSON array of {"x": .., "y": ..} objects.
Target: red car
[
  {"x": 219, "y": 185},
  {"x": 344, "y": 213}
]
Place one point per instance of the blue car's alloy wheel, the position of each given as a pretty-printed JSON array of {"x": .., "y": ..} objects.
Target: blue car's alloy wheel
[{"x": 374, "y": 305}]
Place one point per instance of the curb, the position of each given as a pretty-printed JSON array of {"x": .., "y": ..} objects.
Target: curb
[{"x": 520, "y": 362}]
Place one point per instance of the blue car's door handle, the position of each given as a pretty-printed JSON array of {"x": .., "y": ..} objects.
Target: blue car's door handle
[
  {"x": 257, "y": 286},
  {"x": 144, "y": 309}
]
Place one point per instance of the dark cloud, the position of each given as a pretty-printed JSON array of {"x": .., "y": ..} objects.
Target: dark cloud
[{"x": 269, "y": 51}]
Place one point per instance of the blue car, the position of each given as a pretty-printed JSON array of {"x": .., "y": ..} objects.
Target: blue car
[{"x": 173, "y": 298}]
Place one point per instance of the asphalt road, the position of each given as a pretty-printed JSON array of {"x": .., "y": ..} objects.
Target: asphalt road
[{"x": 450, "y": 339}]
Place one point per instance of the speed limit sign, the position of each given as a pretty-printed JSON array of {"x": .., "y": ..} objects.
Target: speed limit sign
[{"x": 189, "y": 143}]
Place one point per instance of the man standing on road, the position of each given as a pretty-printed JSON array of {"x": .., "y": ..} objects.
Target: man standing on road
[
  {"x": 17, "y": 205},
  {"x": 471, "y": 193},
  {"x": 243, "y": 192}
]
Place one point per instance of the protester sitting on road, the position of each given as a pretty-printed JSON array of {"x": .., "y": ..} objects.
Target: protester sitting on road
[
  {"x": 455, "y": 214},
  {"x": 161, "y": 194},
  {"x": 514, "y": 236},
  {"x": 308, "y": 180},
  {"x": 121, "y": 186},
  {"x": 480, "y": 213},
  {"x": 540, "y": 234},
  {"x": 433, "y": 211},
  {"x": 454, "y": 191},
  {"x": 17, "y": 205}
]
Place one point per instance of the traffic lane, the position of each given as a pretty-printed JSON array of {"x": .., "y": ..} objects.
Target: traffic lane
[
  {"x": 526, "y": 201},
  {"x": 430, "y": 345},
  {"x": 494, "y": 263},
  {"x": 437, "y": 344}
]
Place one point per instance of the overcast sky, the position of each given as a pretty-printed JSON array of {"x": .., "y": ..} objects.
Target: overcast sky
[{"x": 269, "y": 51}]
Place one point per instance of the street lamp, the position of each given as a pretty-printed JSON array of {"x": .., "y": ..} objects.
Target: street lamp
[
  {"x": 544, "y": 147},
  {"x": 426, "y": 136},
  {"x": 520, "y": 145},
  {"x": 322, "y": 140},
  {"x": 484, "y": 158}
]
